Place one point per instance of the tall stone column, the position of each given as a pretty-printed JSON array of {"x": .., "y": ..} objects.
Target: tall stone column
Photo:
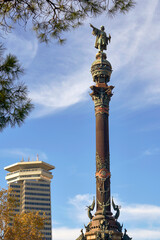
[
  {"x": 101, "y": 71},
  {"x": 103, "y": 224}
]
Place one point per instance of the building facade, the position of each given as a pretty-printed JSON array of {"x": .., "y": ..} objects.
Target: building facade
[{"x": 30, "y": 182}]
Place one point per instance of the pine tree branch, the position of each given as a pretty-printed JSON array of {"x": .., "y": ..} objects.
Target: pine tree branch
[{"x": 50, "y": 19}]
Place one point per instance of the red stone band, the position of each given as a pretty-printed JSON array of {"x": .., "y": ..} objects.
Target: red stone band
[{"x": 101, "y": 110}]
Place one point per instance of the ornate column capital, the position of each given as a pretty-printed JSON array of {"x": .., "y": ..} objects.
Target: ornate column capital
[{"x": 101, "y": 95}]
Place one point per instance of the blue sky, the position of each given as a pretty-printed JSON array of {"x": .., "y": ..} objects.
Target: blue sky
[{"x": 61, "y": 129}]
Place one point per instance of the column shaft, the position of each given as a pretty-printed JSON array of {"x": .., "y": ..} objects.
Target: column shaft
[{"x": 102, "y": 162}]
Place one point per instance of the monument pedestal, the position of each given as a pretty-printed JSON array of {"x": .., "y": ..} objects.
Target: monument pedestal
[
  {"x": 102, "y": 227},
  {"x": 103, "y": 236}
]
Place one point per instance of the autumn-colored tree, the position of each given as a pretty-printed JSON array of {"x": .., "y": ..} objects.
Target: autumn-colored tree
[
  {"x": 51, "y": 18},
  {"x": 25, "y": 226},
  {"x": 7, "y": 205}
]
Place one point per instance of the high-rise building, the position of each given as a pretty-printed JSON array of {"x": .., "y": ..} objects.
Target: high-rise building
[{"x": 30, "y": 182}]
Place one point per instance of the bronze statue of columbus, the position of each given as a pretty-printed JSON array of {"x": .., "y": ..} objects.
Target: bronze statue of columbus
[{"x": 101, "y": 38}]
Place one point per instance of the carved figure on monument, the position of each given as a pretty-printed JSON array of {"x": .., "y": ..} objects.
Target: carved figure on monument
[
  {"x": 101, "y": 38},
  {"x": 119, "y": 226},
  {"x": 116, "y": 208},
  {"x": 125, "y": 236},
  {"x": 87, "y": 227},
  {"x": 107, "y": 226},
  {"x": 103, "y": 206},
  {"x": 91, "y": 208},
  {"x": 110, "y": 236},
  {"x": 98, "y": 236},
  {"x": 81, "y": 237},
  {"x": 104, "y": 225},
  {"x": 106, "y": 236}
]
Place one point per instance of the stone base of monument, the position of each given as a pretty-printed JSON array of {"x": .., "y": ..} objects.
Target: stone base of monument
[
  {"x": 103, "y": 227},
  {"x": 103, "y": 236}
]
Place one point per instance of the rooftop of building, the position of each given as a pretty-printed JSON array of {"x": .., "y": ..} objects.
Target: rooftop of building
[{"x": 27, "y": 165}]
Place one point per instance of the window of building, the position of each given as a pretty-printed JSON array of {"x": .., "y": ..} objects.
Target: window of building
[
  {"x": 38, "y": 184},
  {"x": 37, "y": 194},
  {"x": 40, "y": 199},
  {"x": 38, "y": 189},
  {"x": 36, "y": 203},
  {"x": 35, "y": 208},
  {"x": 15, "y": 186}
]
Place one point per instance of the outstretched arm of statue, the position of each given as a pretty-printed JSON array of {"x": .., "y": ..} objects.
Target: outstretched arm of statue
[
  {"x": 91, "y": 26},
  {"x": 96, "y": 31}
]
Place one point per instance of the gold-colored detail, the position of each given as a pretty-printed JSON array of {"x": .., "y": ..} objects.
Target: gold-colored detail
[{"x": 104, "y": 204}]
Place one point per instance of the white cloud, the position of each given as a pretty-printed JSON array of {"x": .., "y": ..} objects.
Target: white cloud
[
  {"x": 23, "y": 152},
  {"x": 65, "y": 233},
  {"x": 25, "y": 49},
  {"x": 68, "y": 91},
  {"x": 136, "y": 214},
  {"x": 79, "y": 205},
  {"x": 141, "y": 212},
  {"x": 144, "y": 234},
  {"x": 152, "y": 151},
  {"x": 134, "y": 36}
]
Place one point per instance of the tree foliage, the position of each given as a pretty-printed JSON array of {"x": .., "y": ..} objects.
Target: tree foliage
[
  {"x": 7, "y": 205},
  {"x": 26, "y": 225},
  {"x": 51, "y": 18},
  {"x": 14, "y": 102}
]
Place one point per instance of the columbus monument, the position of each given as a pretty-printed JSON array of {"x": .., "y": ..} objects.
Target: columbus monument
[{"x": 104, "y": 224}]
